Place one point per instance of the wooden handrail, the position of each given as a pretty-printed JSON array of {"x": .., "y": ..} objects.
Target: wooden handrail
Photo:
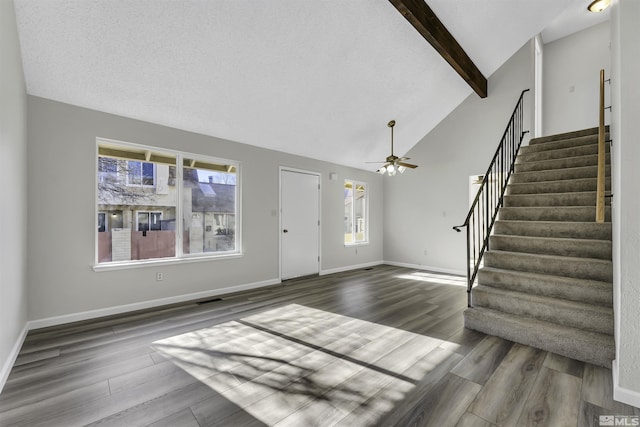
[{"x": 600, "y": 189}]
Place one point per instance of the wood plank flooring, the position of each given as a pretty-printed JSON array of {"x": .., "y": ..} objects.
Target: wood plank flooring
[{"x": 376, "y": 347}]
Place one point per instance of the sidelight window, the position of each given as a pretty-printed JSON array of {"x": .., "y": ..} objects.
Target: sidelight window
[{"x": 356, "y": 218}]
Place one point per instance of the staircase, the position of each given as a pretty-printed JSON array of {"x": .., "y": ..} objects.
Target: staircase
[{"x": 547, "y": 278}]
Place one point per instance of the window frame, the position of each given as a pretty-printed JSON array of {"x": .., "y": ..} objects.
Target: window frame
[
  {"x": 365, "y": 185},
  {"x": 180, "y": 256}
]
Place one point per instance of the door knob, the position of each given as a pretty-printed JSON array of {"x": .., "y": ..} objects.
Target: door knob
[{"x": 285, "y": 231}]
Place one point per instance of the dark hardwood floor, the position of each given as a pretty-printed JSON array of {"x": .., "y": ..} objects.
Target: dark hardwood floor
[{"x": 376, "y": 347}]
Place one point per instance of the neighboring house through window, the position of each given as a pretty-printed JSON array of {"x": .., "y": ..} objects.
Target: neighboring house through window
[
  {"x": 155, "y": 203},
  {"x": 356, "y": 218}
]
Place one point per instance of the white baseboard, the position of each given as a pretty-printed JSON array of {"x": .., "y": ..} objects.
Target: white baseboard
[
  {"x": 350, "y": 267},
  {"x": 621, "y": 394},
  {"x": 11, "y": 360},
  {"x": 92, "y": 314},
  {"x": 428, "y": 268}
]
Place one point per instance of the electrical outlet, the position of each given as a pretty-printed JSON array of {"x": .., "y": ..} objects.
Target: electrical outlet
[{"x": 159, "y": 277}]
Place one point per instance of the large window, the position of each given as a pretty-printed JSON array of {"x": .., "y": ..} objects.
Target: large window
[
  {"x": 156, "y": 204},
  {"x": 356, "y": 218}
]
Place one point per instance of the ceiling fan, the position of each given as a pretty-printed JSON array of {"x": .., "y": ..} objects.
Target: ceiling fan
[{"x": 393, "y": 163}]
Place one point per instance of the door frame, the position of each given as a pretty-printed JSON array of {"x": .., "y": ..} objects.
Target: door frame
[
  {"x": 538, "y": 77},
  {"x": 282, "y": 169}
]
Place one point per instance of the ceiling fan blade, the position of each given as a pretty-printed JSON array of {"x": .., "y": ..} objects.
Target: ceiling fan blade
[
  {"x": 407, "y": 165},
  {"x": 404, "y": 158}
]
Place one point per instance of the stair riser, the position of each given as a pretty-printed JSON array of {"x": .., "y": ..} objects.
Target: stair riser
[
  {"x": 548, "y": 311},
  {"x": 599, "y": 293},
  {"x": 557, "y": 174},
  {"x": 562, "y": 153},
  {"x": 597, "y": 349},
  {"x": 581, "y": 230},
  {"x": 559, "y": 199},
  {"x": 572, "y": 214},
  {"x": 563, "y": 143},
  {"x": 567, "y": 135},
  {"x": 563, "y": 186},
  {"x": 591, "y": 269},
  {"x": 572, "y": 162},
  {"x": 569, "y": 247}
]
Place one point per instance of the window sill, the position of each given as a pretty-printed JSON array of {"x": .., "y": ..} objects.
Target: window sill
[
  {"x": 350, "y": 245},
  {"x": 161, "y": 262}
]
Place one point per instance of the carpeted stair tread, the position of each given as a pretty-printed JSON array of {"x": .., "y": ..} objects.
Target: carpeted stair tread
[
  {"x": 561, "y": 143},
  {"x": 566, "y": 135},
  {"x": 565, "y": 213},
  {"x": 557, "y": 174},
  {"x": 586, "y": 248},
  {"x": 568, "y": 288},
  {"x": 568, "y": 162},
  {"x": 560, "y": 153},
  {"x": 555, "y": 310},
  {"x": 560, "y": 229},
  {"x": 576, "y": 198},
  {"x": 579, "y": 268},
  {"x": 557, "y": 186},
  {"x": 590, "y": 347}
]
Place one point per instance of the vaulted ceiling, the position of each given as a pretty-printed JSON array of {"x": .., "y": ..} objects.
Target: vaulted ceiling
[{"x": 316, "y": 78}]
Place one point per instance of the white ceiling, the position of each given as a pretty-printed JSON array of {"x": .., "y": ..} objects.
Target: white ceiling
[
  {"x": 575, "y": 17},
  {"x": 319, "y": 78}
]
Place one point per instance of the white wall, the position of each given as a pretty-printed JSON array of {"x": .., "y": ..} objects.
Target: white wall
[
  {"x": 423, "y": 204},
  {"x": 571, "y": 76},
  {"x": 61, "y": 231},
  {"x": 13, "y": 143},
  {"x": 625, "y": 129}
]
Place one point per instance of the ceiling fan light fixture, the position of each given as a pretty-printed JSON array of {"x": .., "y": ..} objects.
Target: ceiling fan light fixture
[
  {"x": 599, "y": 5},
  {"x": 394, "y": 164}
]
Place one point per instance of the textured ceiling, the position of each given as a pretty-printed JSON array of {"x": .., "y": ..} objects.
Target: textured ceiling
[{"x": 317, "y": 78}]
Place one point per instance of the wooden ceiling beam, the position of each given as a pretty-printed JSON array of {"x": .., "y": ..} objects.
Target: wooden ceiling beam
[{"x": 422, "y": 18}]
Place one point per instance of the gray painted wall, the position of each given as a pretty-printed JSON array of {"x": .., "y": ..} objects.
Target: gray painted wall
[
  {"x": 13, "y": 191},
  {"x": 625, "y": 127},
  {"x": 61, "y": 198},
  {"x": 423, "y": 204},
  {"x": 571, "y": 74}
]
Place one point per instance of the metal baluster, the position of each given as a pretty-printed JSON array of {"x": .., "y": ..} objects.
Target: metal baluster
[{"x": 484, "y": 210}]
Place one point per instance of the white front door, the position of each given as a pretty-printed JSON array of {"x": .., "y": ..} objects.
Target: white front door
[{"x": 299, "y": 224}]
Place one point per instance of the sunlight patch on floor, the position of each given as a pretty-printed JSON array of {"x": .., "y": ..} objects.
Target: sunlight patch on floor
[
  {"x": 439, "y": 279},
  {"x": 296, "y": 365}
]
